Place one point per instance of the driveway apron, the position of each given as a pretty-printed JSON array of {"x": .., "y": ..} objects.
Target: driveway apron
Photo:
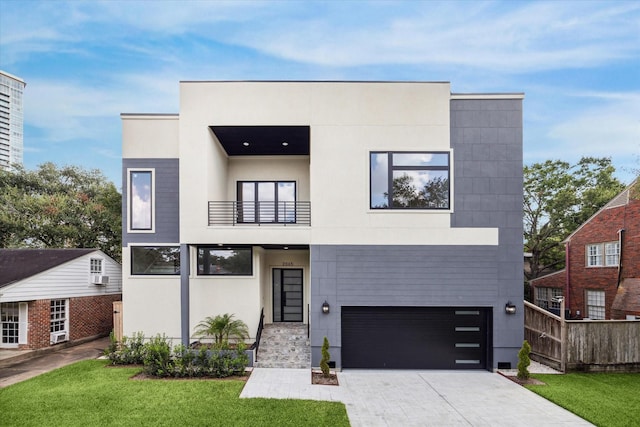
[{"x": 418, "y": 398}]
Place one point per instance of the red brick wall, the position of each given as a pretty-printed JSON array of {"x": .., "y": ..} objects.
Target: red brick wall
[
  {"x": 604, "y": 228},
  {"x": 88, "y": 316},
  {"x": 39, "y": 317}
]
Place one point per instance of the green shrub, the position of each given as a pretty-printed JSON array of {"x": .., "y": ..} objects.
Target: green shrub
[
  {"x": 157, "y": 358},
  {"x": 324, "y": 362},
  {"x": 161, "y": 360},
  {"x": 524, "y": 361},
  {"x": 129, "y": 352}
]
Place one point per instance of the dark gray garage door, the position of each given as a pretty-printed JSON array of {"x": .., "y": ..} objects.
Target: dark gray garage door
[{"x": 415, "y": 337}]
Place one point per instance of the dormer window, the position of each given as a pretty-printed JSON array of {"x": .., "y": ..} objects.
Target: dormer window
[{"x": 95, "y": 266}]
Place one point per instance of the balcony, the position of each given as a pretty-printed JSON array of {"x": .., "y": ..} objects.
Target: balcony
[{"x": 232, "y": 213}]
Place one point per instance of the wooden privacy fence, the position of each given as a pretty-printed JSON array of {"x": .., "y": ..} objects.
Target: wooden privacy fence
[
  {"x": 582, "y": 345},
  {"x": 117, "y": 320}
]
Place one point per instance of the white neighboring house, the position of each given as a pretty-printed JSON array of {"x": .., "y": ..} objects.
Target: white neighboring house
[{"x": 49, "y": 296}]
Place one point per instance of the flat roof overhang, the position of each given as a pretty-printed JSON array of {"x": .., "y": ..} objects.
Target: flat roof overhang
[{"x": 263, "y": 140}]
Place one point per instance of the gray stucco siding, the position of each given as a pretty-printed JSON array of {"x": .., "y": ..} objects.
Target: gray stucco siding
[{"x": 167, "y": 213}]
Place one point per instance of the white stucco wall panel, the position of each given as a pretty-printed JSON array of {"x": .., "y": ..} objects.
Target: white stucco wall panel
[
  {"x": 245, "y": 103},
  {"x": 269, "y": 168},
  {"x": 380, "y": 104},
  {"x": 151, "y": 304},
  {"x": 150, "y": 136}
]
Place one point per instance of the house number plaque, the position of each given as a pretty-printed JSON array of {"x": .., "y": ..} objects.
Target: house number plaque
[{"x": 287, "y": 263}]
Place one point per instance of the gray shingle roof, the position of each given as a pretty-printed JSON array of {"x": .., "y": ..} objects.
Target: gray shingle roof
[{"x": 18, "y": 264}]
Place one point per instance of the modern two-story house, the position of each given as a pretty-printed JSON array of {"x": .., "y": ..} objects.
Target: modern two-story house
[
  {"x": 601, "y": 279},
  {"x": 386, "y": 216}
]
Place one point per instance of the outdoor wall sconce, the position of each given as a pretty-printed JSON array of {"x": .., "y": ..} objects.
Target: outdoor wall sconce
[
  {"x": 510, "y": 308},
  {"x": 325, "y": 307}
]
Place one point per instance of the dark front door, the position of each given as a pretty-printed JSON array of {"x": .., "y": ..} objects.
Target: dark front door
[
  {"x": 415, "y": 337},
  {"x": 287, "y": 295}
]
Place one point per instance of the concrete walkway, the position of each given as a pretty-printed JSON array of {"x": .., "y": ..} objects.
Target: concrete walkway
[
  {"x": 16, "y": 366},
  {"x": 418, "y": 398}
]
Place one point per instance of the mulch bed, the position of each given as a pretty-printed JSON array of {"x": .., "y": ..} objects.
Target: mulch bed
[
  {"x": 143, "y": 376},
  {"x": 319, "y": 378},
  {"x": 529, "y": 381}
]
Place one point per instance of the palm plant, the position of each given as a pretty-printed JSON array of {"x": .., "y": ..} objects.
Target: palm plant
[{"x": 221, "y": 328}]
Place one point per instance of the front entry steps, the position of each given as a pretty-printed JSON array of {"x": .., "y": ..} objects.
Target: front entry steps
[{"x": 284, "y": 345}]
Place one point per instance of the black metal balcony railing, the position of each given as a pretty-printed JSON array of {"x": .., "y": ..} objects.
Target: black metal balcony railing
[{"x": 260, "y": 213}]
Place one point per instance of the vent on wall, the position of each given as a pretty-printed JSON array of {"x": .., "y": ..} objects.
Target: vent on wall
[
  {"x": 99, "y": 280},
  {"x": 58, "y": 337}
]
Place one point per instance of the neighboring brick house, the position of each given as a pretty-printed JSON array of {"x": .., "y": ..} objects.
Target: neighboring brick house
[
  {"x": 602, "y": 276},
  {"x": 49, "y": 296}
]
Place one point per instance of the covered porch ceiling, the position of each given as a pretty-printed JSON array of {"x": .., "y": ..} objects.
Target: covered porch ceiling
[{"x": 263, "y": 140}]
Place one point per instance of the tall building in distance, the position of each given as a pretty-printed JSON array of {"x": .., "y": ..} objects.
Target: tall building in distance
[{"x": 11, "y": 120}]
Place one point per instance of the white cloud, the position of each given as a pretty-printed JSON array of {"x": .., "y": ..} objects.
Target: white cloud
[
  {"x": 610, "y": 127},
  {"x": 506, "y": 36}
]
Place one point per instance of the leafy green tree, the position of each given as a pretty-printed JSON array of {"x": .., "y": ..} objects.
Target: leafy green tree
[
  {"x": 558, "y": 197},
  {"x": 221, "y": 328},
  {"x": 66, "y": 207}
]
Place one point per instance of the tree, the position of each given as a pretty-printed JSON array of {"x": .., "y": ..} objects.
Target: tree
[
  {"x": 558, "y": 197},
  {"x": 221, "y": 328},
  {"x": 324, "y": 362},
  {"x": 66, "y": 207},
  {"x": 524, "y": 361}
]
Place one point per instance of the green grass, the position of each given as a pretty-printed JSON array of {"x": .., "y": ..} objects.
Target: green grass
[
  {"x": 601, "y": 398},
  {"x": 90, "y": 394}
]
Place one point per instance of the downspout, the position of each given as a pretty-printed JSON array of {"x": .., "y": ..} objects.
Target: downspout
[
  {"x": 184, "y": 295},
  {"x": 567, "y": 272},
  {"x": 620, "y": 241}
]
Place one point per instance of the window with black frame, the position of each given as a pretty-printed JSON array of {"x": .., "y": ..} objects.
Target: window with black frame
[
  {"x": 409, "y": 180},
  {"x": 225, "y": 261},
  {"x": 155, "y": 260},
  {"x": 267, "y": 201}
]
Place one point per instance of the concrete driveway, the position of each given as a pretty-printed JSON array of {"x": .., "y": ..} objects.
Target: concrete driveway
[{"x": 418, "y": 398}]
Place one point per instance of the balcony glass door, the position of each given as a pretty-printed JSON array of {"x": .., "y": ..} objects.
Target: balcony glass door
[
  {"x": 266, "y": 201},
  {"x": 287, "y": 295}
]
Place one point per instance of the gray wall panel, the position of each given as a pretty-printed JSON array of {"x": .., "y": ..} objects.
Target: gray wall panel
[{"x": 167, "y": 227}]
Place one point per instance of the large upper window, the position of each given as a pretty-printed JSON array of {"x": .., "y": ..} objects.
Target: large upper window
[
  {"x": 141, "y": 199},
  {"x": 155, "y": 260},
  {"x": 409, "y": 180},
  {"x": 266, "y": 201},
  {"x": 216, "y": 260},
  {"x": 603, "y": 254}
]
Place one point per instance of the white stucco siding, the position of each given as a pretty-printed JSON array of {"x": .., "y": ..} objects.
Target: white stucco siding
[
  {"x": 149, "y": 136},
  {"x": 217, "y": 295},
  {"x": 151, "y": 305},
  {"x": 69, "y": 280},
  {"x": 269, "y": 168}
]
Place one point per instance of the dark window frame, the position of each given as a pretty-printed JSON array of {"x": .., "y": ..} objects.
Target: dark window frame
[
  {"x": 391, "y": 168},
  {"x": 151, "y": 200},
  {"x": 223, "y": 248},
  {"x": 147, "y": 247},
  {"x": 276, "y": 214}
]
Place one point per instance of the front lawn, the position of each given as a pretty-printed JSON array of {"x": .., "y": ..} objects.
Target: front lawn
[
  {"x": 602, "y": 399},
  {"x": 90, "y": 394}
]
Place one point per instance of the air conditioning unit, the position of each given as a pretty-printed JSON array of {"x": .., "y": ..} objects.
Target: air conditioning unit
[
  {"x": 58, "y": 337},
  {"x": 97, "y": 279}
]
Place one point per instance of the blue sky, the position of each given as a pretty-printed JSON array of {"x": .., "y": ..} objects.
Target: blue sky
[{"x": 578, "y": 63}]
